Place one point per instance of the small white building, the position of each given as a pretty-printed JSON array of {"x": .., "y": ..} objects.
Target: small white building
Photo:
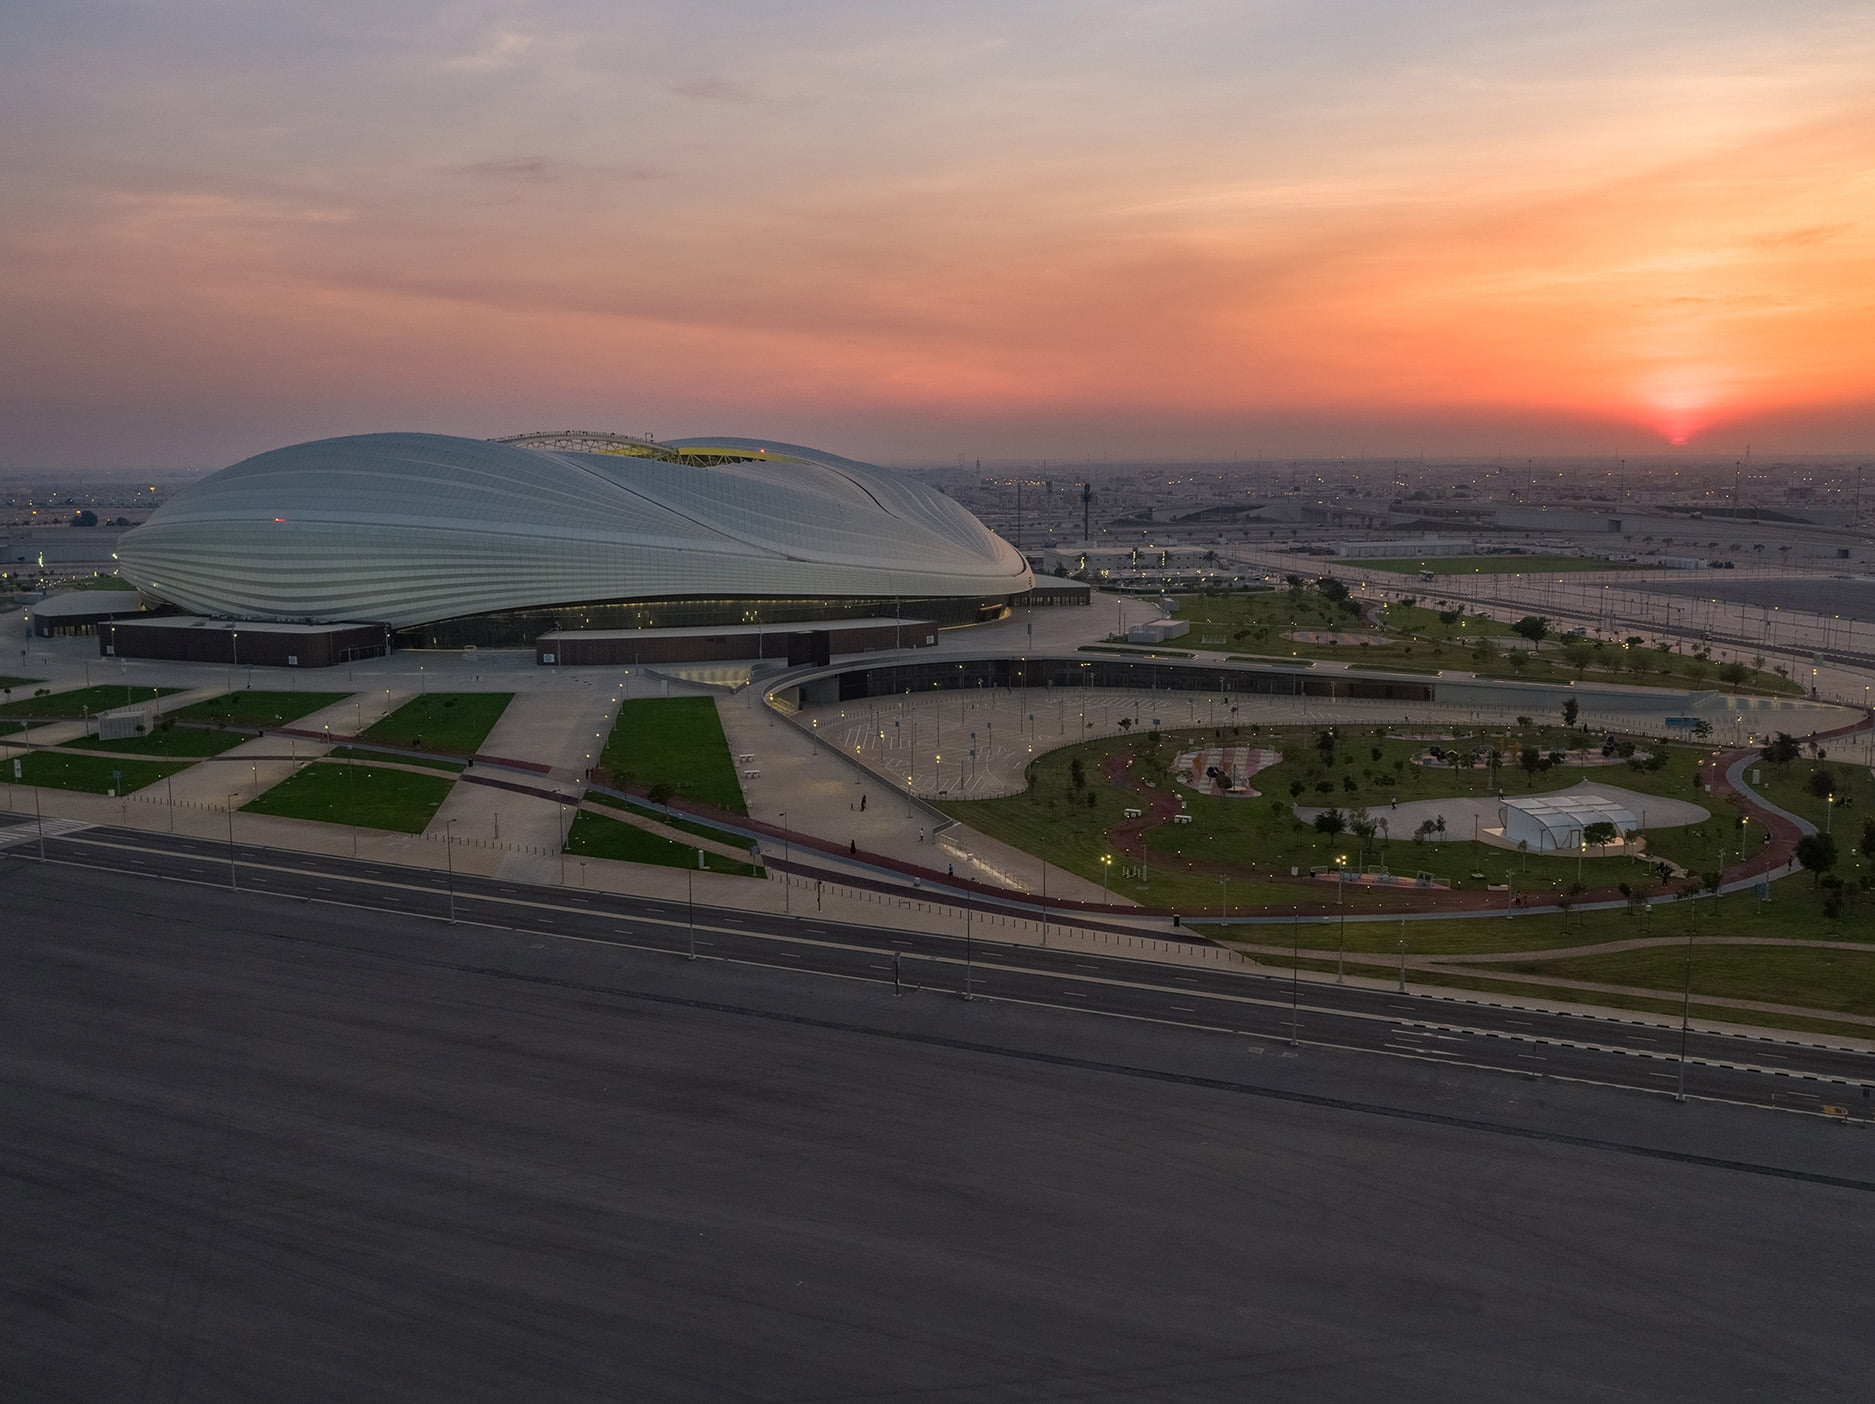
[
  {"x": 1554, "y": 823},
  {"x": 1158, "y": 631}
]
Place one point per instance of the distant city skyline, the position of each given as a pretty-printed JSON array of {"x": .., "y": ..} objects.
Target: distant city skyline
[{"x": 1093, "y": 230}]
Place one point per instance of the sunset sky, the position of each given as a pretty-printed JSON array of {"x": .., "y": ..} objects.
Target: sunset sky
[{"x": 1168, "y": 230}]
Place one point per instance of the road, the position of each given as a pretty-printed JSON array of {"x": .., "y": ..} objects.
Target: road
[
  {"x": 260, "y": 1149},
  {"x": 1275, "y": 1007}
]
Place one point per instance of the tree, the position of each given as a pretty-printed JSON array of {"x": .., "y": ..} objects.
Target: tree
[
  {"x": 1077, "y": 773},
  {"x": 1816, "y": 854},
  {"x": 1822, "y": 783},
  {"x": 1599, "y": 834},
  {"x": 1866, "y": 846},
  {"x": 1579, "y": 656},
  {"x": 1533, "y": 627},
  {"x": 1331, "y": 822},
  {"x": 1782, "y": 750},
  {"x": 1733, "y": 674},
  {"x": 1531, "y": 759},
  {"x": 1571, "y": 709},
  {"x": 1518, "y": 661},
  {"x": 85, "y": 518},
  {"x": 1363, "y": 827},
  {"x": 1331, "y": 589}
]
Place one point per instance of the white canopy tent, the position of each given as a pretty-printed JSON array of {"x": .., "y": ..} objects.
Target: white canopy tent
[{"x": 1554, "y": 823}]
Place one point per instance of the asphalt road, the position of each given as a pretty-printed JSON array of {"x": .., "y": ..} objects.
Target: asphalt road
[
  {"x": 1830, "y": 598},
  {"x": 266, "y": 1150},
  {"x": 1765, "y": 1071}
]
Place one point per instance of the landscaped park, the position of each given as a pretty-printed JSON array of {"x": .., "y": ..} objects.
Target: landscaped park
[
  {"x": 1320, "y": 620},
  {"x": 1316, "y": 822},
  {"x": 1387, "y": 802},
  {"x": 398, "y": 772},
  {"x": 1803, "y": 947}
]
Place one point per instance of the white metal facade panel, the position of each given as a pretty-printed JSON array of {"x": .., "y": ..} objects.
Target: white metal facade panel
[{"x": 406, "y": 529}]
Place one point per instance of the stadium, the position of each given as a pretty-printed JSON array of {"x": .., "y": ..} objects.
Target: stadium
[{"x": 436, "y": 541}]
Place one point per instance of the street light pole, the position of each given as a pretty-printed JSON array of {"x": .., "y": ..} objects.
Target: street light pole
[
  {"x": 968, "y": 962},
  {"x": 1295, "y": 979},
  {"x": 1686, "y": 1016},
  {"x": 1341, "y": 944},
  {"x": 449, "y": 859}
]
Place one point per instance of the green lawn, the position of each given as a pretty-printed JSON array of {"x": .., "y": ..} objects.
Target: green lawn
[
  {"x": 676, "y": 742},
  {"x": 1521, "y": 989},
  {"x": 595, "y": 836},
  {"x": 453, "y": 722},
  {"x": 258, "y": 709},
  {"x": 193, "y": 741},
  {"x": 1424, "y": 620},
  {"x": 1788, "y": 787},
  {"x": 683, "y": 825},
  {"x": 1256, "y": 841},
  {"x": 103, "y": 698},
  {"x": 1416, "y": 637},
  {"x": 370, "y": 796},
  {"x": 1846, "y": 820},
  {"x": 1842, "y": 982},
  {"x": 97, "y": 774},
  {"x": 1485, "y": 565},
  {"x": 1793, "y": 913},
  {"x": 359, "y": 753}
]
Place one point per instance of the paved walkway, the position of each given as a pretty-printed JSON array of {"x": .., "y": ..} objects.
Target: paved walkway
[
  {"x": 805, "y": 773},
  {"x": 1474, "y": 818},
  {"x": 564, "y": 730}
]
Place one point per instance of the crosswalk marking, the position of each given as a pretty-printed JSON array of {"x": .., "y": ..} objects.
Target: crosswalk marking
[{"x": 29, "y": 833}]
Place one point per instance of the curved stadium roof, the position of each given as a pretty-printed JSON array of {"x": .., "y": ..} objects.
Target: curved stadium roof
[{"x": 407, "y": 529}]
